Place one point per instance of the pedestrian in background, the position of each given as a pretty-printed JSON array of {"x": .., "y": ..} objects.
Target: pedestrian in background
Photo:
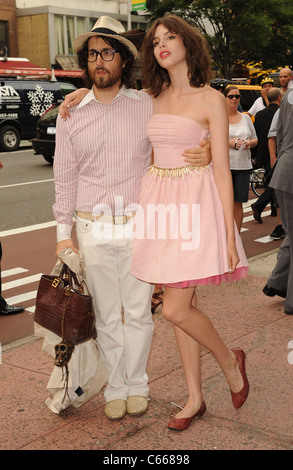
[
  {"x": 242, "y": 137},
  {"x": 285, "y": 77},
  {"x": 280, "y": 281},
  {"x": 262, "y": 102},
  {"x": 278, "y": 231},
  {"x": 261, "y": 154}
]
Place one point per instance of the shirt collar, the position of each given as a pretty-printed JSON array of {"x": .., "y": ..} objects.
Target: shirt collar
[{"x": 128, "y": 92}]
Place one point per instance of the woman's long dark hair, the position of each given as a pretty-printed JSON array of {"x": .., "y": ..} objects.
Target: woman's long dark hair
[
  {"x": 198, "y": 58},
  {"x": 128, "y": 72}
]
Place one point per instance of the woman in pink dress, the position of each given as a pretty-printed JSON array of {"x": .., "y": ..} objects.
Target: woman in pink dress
[{"x": 185, "y": 231}]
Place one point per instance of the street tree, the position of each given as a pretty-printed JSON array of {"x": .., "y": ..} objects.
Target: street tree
[{"x": 254, "y": 31}]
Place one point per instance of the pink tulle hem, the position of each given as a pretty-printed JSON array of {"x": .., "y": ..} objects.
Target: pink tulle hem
[{"x": 238, "y": 274}]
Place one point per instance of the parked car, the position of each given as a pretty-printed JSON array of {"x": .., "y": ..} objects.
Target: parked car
[
  {"x": 44, "y": 142},
  {"x": 22, "y": 103}
]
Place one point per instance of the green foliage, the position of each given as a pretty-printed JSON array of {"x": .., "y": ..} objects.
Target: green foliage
[{"x": 258, "y": 31}]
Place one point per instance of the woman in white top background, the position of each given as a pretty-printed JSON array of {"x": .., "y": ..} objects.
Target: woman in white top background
[{"x": 242, "y": 137}]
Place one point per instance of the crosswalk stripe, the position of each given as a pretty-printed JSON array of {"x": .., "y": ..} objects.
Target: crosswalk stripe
[
  {"x": 26, "y": 183},
  {"x": 21, "y": 282},
  {"x": 12, "y": 272},
  {"x": 265, "y": 239},
  {"x": 247, "y": 204},
  {"x": 250, "y": 217},
  {"x": 30, "y": 309},
  {"x": 29, "y": 228},
  {"x": 18, "y": 299}
]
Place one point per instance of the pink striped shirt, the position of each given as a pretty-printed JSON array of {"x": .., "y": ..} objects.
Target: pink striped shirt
[{"x": 102, "y": 152}]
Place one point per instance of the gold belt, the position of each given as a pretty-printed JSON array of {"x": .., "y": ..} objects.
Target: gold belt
[
  {"x": 175, "y": 172},
  {"x": 113, "y": 219}
]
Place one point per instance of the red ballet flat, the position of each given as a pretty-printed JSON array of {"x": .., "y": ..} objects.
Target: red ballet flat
[
  {"x": 180, "y": 424},
  {"x": 239, "y": 398}
]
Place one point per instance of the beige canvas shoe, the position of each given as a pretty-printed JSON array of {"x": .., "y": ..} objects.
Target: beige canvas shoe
[
  {"x": 115, "y": 409},
  {"x": 137, "y": 405}
]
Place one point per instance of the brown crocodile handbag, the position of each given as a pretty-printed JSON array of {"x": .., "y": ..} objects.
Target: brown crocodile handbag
[{"x": 63, "y": 308}]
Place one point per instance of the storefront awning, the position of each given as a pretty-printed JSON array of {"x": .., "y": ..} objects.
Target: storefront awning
[
  {"x": 66, "y": 73},
  {"x": 67, "y": 62},
  {"x": 24, "y": 68},
  {"x": 15, "y": 66}
]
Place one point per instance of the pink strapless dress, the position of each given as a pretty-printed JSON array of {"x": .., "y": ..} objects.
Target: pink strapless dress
[{"x": 179, "y": 236}]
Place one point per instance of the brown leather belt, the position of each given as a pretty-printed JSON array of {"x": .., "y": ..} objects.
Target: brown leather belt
[{"x": 112, "y": 219}]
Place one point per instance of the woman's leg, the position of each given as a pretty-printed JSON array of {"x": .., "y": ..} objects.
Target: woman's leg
[
  {"x": 190, "y": 356},
  {"x": 238, "y": 214},
  {"x": 178, "y": 309},
  {"x": 241, "y": 181}
]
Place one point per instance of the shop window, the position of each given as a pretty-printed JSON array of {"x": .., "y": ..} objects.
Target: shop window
[
  {"x": 59, "y": 35},
  {"x": 92, "y": 23},
  {"x": 80, "y": 26},
  {"x": 67, "y": 28},
  {"x": 70, "y": 34},
  {"x": 4, "y": 38}
]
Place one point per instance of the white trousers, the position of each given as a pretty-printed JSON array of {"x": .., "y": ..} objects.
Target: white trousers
[{"x": 122, "y": 306}]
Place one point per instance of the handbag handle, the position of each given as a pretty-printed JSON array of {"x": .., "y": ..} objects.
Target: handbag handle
[{"x": 67, "y": 274}]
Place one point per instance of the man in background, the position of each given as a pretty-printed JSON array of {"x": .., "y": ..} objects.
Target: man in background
[
  {"x": 261, "y": 154},
  {"x": 262, "y": 102},
  {"x": 285, "y": 77},
  {"x": 280, "y": 281}
]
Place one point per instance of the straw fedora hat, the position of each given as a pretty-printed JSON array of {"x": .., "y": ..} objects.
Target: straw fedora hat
[{"x": 109, "y": 27}]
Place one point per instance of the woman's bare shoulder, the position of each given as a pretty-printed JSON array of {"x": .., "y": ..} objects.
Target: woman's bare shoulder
[
  {"x": 214, "y": 95},
  {"x": 208, "y": 100},
  {"x": 215, "y": 100},
  {"x": 206, "y": 95}
]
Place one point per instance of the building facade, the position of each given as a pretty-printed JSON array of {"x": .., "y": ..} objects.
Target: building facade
[
  {"x": 8, "y": 28},
  {"x": 46, "y": 30}
]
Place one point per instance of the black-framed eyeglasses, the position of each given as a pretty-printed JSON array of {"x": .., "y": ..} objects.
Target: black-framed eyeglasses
[
  {"x": 237, "y": 97},
  {"x": 107, "y": 55}
]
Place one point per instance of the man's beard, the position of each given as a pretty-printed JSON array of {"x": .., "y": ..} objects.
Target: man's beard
[{"x": 106, "y": 81}]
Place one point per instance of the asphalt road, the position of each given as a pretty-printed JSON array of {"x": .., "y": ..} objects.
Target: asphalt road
[{"x": 26, "y": 189}]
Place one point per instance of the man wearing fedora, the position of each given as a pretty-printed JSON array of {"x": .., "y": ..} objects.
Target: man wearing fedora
[{"x": 102, "y": 153}]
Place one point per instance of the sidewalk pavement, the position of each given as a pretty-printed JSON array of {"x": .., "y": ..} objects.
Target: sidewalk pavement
[{"x": 243, "y": 315}]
